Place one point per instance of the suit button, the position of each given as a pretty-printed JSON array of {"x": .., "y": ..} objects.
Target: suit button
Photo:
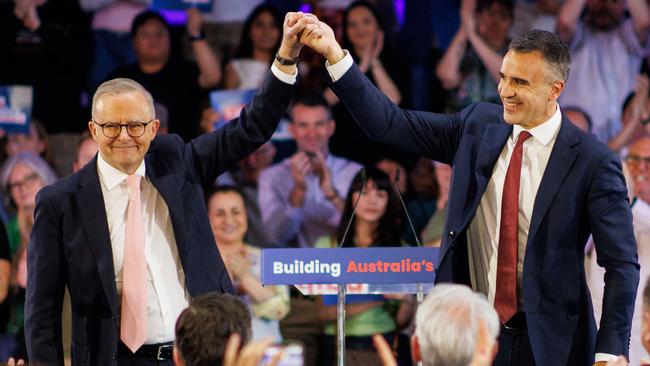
[
  {"x": 114, "y": 355},
  {"x": 451, "y": 234}
]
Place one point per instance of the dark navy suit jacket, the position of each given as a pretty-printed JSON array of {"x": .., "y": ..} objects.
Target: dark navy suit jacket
[
  {"x": 582, "y": 192},
  {"x": 70, "y": 243}
]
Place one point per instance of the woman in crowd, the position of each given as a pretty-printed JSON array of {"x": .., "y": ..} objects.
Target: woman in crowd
[
  {"x": 259, "y": 43},
  {"x": 376, "y": 224},
  {"x": 363, "y": 37},
  {"x": 21, "y": 177},
  {"x": 229, "y": 223},
  {"x": 471, "y": 63}
]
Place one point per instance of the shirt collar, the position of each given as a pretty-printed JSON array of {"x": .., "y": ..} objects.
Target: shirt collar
[
  {"x": 110, "y": 176},
  {"x": 544, "y": 132}
]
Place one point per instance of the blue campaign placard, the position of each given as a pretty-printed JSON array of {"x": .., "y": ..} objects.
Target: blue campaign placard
[
  {"x": 229, "y": 103},
  {"x": 204, "y": 6},
  {"x": 349, "y": 265},
  {"x": 15, "y": 108}
]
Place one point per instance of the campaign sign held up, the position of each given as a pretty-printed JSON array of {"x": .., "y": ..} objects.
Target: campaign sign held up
[{"x": 349, "y": 265}]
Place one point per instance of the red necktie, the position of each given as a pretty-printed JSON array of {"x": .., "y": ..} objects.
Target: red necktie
[{"x": 505, "y": 298}]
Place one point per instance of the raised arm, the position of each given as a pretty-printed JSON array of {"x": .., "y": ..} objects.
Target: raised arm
[
  {"x": 448, "y": 69},
  {"x": 45, "y": 285},
  {"x": 489, "y": 57},
  {"x": 641, "y": 17},
  {"x": 568, "y": 18},
  {"x": 209, "y": 65},
  {"x": 432, "y": 135}
]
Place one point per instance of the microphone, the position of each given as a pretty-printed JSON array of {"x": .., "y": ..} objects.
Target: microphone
[
  {"x": 408, "y": 217},
  {"x": 354, "y": 209},
  {"x": 419, "y": 294}
]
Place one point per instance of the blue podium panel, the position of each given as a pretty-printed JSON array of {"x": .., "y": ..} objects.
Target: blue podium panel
[{"x": 399, "y": 265}]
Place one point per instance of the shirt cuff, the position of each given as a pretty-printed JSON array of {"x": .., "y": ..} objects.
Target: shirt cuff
[
  {"x": 283, "y": 76},
  {"x": 339, "y": 69},
  {"x": 604, "y": 357}
]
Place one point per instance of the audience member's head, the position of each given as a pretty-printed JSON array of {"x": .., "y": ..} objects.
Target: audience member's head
[
  {"x": 638, "y": 163},
  {"x": 361, "y": 26},
  {"x": 22, "y": 176},
  {"x": 203, "y": 329},
  {"x": 311, "y": 124},
  {"x": 85, "y": 151},
  {"x": 422, "y": 179},
  {"x": 378, "y": 208},
  {"x": 252, "y": 165},
  {"x": 390, "y": 167},
  {"x": 443, "y": 178},
  {"x": 150, "y": 35},
  {"x": 447, "y": 326},
  {"x": 605, "y": 15},
  {"x": 262, "y": 31},
  {"x": 227, "y": 214},
  {"x": 579, "y": 117},
  {"x": 123, "y": 123},
  {"x": 494, "y": 18},
  {"x": 35, "y": 141}
]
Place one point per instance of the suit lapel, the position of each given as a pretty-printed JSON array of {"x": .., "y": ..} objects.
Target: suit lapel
[
  {"x": 169, "y": 187},
  {"x": 559, "y": 164},
  {"x": 90, "y": 203},
  {"x": 494, "y": 137}
]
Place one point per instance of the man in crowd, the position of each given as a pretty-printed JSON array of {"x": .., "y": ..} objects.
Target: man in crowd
[
  {"x": 302, "y": 197},
  {"x": 129, "y": 233},
  {"x": 607, "y": 50},
  {"x": 204, "y": 327},
  {"x": 529, "y": 188}
]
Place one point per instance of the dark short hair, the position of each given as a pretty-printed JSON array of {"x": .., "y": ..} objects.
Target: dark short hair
[
  {"x": 225, "y": 188},
  {"x": 509, "y": 5},
  {"x": 203, "y": 328},
  {"x": 309, "y": 99},
  {"x": 553, "y": 50},
  {"x": 144, "y": 17}
]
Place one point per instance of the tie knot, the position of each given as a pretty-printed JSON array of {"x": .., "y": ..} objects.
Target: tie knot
[
  {"x": 523, "y": 136},
  {"x": 133, "y": 181}
]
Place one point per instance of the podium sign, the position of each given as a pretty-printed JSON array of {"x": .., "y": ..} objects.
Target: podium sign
[{"x": 399, "y": 265}]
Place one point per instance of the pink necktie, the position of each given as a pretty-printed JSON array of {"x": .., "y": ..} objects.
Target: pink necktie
[
  {"x": 505, "y": 297},
  {"x": 133, "y": 326}
]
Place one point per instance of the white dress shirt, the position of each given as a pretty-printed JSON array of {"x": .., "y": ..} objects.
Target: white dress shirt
[
  {"x": 483, "y": 233},
  {"x": 166, "y": 295}
]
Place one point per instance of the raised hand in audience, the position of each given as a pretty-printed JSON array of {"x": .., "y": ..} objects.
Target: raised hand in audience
[{"x": 250, "y": 355}]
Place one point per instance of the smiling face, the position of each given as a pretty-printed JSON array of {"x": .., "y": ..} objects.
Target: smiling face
[
  {"x": 311, "y": 127},
  {"x": 637, "y": 162},
  {"x": 528, "y": 89},
  {"x": 362, "y": 27},
  {"x": 372, "y": 204},
  {"x": 228, "y": 219},
  {"x": 123, "y": 152}
]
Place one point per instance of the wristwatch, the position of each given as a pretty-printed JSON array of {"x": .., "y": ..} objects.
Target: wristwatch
[
  {"x": 286, "y": 61},
  {"x": 196, "y": 37}
]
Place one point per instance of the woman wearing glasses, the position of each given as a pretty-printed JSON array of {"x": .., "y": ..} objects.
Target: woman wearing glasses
[{"x": 21, "y": 177}]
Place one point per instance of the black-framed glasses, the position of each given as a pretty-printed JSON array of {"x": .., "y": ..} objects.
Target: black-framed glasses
[
  {"x": 635, "y": 160},
  {"x": 27, "y": 181},
  {"x": 133, "y": 129}
]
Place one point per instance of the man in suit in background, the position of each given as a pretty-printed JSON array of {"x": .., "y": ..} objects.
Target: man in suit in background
[
  {"x": 129, "y": 233},
  {"x": 528, "y": 190}
]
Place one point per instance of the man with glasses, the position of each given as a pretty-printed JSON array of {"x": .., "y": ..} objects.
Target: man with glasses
[
  {"x": 638, "y": 163},
  {"x": 129, "y": 233}
]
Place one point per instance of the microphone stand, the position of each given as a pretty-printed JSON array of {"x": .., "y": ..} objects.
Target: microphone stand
[{"x": 342, "y": 289}]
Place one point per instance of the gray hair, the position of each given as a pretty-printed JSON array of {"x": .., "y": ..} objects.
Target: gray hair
[
  {"x": 446, "y": 325},
  {"x": 31, "y": 160},
  {"x": 120, "y": 86}
]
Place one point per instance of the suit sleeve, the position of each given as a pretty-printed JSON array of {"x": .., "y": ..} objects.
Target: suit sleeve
[
  {"x": 435, "y": 136},
  {"x": 213, "y": 153},
  {"x": 45, "y": 286},
  {"x": 611, "y": 224}
]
